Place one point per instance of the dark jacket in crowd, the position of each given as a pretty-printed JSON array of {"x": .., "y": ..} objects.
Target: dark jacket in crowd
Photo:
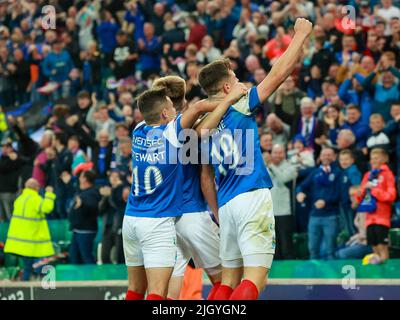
[
  {"x": 321, "y": 185},
  {"x": 9, "y": 173},
  {"x": 22, "y": 75},
  {"x": 62, "y": 162},
  {"x": 360, "y": 159},
  {"x": 113, "y": 208},
  {"x": 96, "y": 150},
  {"x": 392, "y": 129},
  {"x": 85, "y": 217}
]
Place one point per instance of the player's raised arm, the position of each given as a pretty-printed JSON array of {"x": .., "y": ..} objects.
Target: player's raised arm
[
  {"x": 284, "y": 66},
  {"x": 213, "y": 119}
]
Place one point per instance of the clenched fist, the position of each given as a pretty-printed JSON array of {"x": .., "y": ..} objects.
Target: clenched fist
[{"x": 303, "y": 27}]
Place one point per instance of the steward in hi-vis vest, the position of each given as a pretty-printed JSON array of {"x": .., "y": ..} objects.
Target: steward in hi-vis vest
[{"x": 28, "y": 234}]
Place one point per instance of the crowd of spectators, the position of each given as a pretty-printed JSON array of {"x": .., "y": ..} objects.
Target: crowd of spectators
[{"x": 317, "y": 131}]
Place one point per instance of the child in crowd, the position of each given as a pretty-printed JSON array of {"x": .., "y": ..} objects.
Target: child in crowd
[
  {"x": 376, "y": 197},
  {"x": 356, "y": 247},
  {"x": 351, "y": 176},
  {"x": 377, "y": 138}
]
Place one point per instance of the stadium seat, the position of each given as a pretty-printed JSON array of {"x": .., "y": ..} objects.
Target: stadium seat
[
  {"x": 394, "y": 243},
  {"x": 60, "y": 234},
  {"x": 11, "y": 260},
  {"x": 59, "y": 230},
  {"x": 4, "y": 274},
  {"x": 300, "y": 243},
  {"x": 3, "y": 231}
]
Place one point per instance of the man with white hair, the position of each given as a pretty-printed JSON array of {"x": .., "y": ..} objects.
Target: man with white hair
[
  {"x": 252, "y": 64},
  {"x": 347, "y": 140},
  {"x": 308, "y": 125}
]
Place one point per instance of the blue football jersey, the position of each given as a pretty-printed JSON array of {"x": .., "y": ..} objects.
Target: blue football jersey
[
  {"x": 193, "y": 200},
  {"x": 157, "y": 175},
  {"x": 235, "y": 151}
]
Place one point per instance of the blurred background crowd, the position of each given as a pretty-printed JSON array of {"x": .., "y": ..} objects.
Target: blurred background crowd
[{"x": 68, "y": 106}]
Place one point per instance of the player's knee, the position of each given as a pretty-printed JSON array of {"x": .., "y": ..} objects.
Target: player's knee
[{"x": 214, "y": 272}]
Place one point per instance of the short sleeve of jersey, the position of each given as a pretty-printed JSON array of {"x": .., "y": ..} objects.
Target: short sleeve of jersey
[
  {"x": 248, "y": 103},
  {"x": 172, "y": 131}
]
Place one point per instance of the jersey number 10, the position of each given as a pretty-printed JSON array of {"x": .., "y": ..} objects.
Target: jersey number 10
[
  {"x": 227, "y": 153},
  {"x": 151, "y": 171}
]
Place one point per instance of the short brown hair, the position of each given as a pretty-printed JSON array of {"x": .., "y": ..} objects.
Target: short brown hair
[
  {"x": 390, "y": 55},
  {"x": 83, "y": 95},
  {"x": 60, "y": 110},
  {"x": 90, "y": 176},
  {"x": 150, "y": 104},
  {"x": 121, "y": 125},
  {"x": 213, "y": 74},
  {"x": 346, "y": 152},
  {"x": 175, "y": 88},
  {"x": 354, "y": 107}
]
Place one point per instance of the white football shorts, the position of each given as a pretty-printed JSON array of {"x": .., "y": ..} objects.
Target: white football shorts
[
  {"x": 247, "y": 230},
  {"x": 149, "y": 242},
  {"x": 197, "y": 238}
]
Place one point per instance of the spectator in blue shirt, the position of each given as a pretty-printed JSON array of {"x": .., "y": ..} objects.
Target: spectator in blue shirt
[
  {"x": 134, "y": 18},
  {"x": 351, "y": 92},
  {"x": 57, "y": 66},
  {"x": 322, "y": 186},
  {"x": 149, "y": 50},
  {"x": 355, "y": 124},
  {"x": 106, "y": 33},
  {"x": 385, "y": 91},
  {"x": 350, "y": 176}
]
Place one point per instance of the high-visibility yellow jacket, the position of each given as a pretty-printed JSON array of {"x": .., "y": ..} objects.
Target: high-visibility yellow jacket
[
  {"x": 3, "y": 123},
  {"x": 28, "y": 234}
]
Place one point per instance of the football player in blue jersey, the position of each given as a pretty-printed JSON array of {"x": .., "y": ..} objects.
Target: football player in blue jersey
[
  {"x": 197, "y": 234},
  {"x": 247, "y": 226},
  {"x": 156, "y": 197}
]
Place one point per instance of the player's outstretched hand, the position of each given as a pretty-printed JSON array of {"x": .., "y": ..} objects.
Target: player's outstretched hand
[
  {"x": 237, "y": 92},
  {"x": 303, "y": 27}
]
